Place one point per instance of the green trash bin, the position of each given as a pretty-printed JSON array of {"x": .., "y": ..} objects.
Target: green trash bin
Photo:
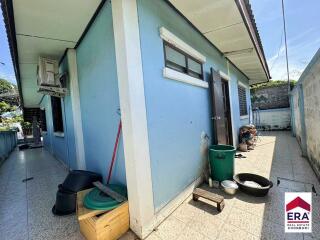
[{"x": 221, "y": 159}]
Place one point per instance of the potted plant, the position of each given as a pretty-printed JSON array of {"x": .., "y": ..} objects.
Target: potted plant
[{"x": 26, "y": 128}]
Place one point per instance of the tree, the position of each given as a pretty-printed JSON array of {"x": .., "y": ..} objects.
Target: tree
[
  {"x": 6, "y": 86},
  {"x": 4, "y": 107}
]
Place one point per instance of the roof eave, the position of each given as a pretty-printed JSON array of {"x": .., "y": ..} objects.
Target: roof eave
[{"x": 245, "y": 10}]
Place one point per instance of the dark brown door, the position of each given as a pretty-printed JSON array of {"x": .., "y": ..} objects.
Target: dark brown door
[{"x": 221, "y": 118}]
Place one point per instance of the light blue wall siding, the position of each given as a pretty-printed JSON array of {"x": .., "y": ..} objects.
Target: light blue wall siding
[
  {"x": 177, "y": 113},
  {"x": 68, "y": 121},
  {"x": 99, "y": 96}
]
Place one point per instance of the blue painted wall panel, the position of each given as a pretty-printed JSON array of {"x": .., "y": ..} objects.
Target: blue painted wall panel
[
  {"x": 177, "y": 113},
  {"x": 99, "y": 96},
  {"x": 69, "y": 138}
]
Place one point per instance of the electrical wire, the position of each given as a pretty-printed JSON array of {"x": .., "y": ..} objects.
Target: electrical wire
[{"x": 278, "y": 54}]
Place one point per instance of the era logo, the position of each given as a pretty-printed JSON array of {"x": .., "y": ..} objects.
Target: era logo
[
  {"x": 298, "y": 212},
  {"x": 297, "y": 216}
]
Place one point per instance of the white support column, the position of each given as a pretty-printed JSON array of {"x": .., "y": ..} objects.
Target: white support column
[
  {"x": 76, "y": 110},
  {"x": 133, "y": 115}
]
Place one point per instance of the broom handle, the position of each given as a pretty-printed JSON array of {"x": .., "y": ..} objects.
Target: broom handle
[{"x": 114, "y": 152}]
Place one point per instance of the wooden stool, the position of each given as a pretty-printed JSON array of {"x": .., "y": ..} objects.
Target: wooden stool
[{"x": 219, "y": 200}]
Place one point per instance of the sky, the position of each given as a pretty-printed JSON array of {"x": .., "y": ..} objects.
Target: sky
[
  {"x": 303, "y": 36},
  {"x": 6, "y": 70}
]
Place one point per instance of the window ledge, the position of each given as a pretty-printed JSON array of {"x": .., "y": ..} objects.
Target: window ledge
[
  {"x": 181, "y": 77},
  {"x": 59, "y": 134},
  {"x": 244, "y": 117}
]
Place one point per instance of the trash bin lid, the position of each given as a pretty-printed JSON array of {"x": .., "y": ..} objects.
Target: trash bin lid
[
  {"x": 221, "y": 147},
  {"x": 98, "y": 200}
]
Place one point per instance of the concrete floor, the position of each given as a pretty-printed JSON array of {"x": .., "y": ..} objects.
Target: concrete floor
[{"x": 25, "y": 208}]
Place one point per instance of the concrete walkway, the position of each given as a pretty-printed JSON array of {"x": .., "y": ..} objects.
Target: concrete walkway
[
  {"x": 244, "y": 217},
  {"x": 25, "y": 208}
]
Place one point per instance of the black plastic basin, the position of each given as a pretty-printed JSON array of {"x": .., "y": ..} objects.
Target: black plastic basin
[
  {"x": 65, "y": 202},
  {"x": 78, "y": 180},
  {"x": 262, "y": 184}
]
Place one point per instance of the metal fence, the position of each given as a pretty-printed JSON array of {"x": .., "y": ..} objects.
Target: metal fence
[{"x": 8, "y": 141}]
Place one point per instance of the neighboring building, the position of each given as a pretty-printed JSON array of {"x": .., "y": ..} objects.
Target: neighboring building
[
  {"x": 155, "y": 61},
  {"x": 305, "y": 112}
]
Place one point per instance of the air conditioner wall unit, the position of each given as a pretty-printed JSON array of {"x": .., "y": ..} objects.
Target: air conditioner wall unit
[{"x": 48, "y": 70}]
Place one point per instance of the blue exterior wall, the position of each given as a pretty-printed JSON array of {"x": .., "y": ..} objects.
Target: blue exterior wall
[
  {"x": 177, "y": 113},
  {"x": 99, "y": 101},
  {"x": 99, "y": 97}
]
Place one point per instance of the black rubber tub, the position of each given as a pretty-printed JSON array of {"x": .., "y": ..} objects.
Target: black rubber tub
[
  {"x": 65, "y": 202},
  {"x": 78, "y": 180},
  {"x": 253, "y": 184}
]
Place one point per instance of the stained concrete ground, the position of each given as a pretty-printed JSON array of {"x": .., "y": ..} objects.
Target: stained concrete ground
[{"x": 25, "y": 208}]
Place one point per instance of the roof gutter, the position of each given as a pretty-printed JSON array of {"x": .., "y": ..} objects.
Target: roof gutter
[
  {"x": 249, "y": 21},
  {"x": 8, "y": 15}
]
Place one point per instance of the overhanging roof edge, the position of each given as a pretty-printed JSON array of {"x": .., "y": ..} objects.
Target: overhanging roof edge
[{"x": 245, "y": 8}]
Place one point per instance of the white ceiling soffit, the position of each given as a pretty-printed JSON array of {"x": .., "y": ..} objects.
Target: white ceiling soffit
[
  {"x": 221, "y": 22},
  {"x": 46, "y": 28}
]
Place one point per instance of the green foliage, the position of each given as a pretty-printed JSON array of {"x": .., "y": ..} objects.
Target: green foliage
[
  {"x": 4, "y": 107},
  {"x": 4, "y": 128},
  {"x": 6, "y": 123},
  {"x": 272, "y": 83},
  {"x": 6, "y": 86},
  {"x": 25, "y": 125}
]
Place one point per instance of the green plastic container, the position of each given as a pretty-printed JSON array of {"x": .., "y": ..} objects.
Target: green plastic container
[
  {"x": 95, "y": 199},
  {"x": 221, "y": 159}
]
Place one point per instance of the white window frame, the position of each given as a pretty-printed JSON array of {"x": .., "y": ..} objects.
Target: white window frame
[{"x": 171, "y": 74}]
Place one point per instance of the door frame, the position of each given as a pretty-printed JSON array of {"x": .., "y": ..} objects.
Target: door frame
[{"x": 227, "y": 78}]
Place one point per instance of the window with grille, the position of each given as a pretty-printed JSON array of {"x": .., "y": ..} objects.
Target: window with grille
[
  {"x": 182, "y": 62},
  {"x": 43, "y": 120},
  {"x": 242, "y": 101},
  {"x": 57, "y": 114}
]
